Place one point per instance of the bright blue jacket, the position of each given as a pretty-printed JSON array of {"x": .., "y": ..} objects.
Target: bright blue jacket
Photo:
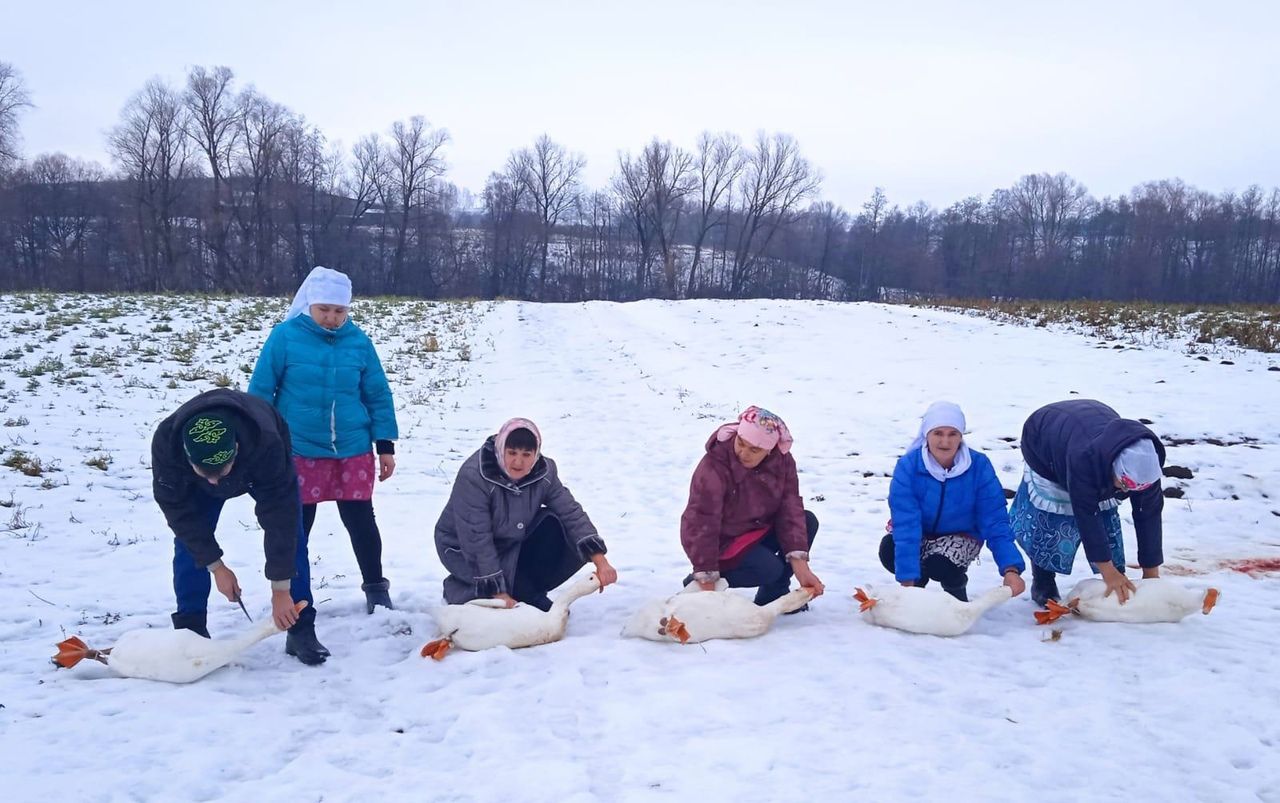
[
  {"x": 972, "y": 503},
  {"x": 328, "y": 386}
]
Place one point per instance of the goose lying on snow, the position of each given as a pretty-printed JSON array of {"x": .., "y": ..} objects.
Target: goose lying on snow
[
  {"x": 1155, "y": 600},
  {"x": 484, "y": 623},
  {"x": 932, "y": 613},
  {"x": 694, "y": 615},
  {"x": 173, "y": 656}
]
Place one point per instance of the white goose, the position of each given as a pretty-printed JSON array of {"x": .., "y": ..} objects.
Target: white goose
[
  {"x": 932, "y": 613},
  {"x": 1154, "y": 600},
  {"x": 484, "y": 623},
  {"x": 173, "y": 656},
  {"x": 694, "y": 615}
]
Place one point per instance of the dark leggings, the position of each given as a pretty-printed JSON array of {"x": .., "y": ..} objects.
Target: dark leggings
[
  {"x": 546, "y": 561},
  {"x": 765, "y": 568},
  {"x": 934, "y": 567},
  {"x": 366, "y": 541}
]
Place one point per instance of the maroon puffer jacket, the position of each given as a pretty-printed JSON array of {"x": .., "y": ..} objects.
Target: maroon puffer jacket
[{"x": 726, "y": 499}]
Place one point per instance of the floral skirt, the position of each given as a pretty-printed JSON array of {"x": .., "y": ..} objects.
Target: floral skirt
[
  {"x": 329, "y": 479},
  {"x": 1051, "y": 540},
  {"x": 959, "y": 548}
]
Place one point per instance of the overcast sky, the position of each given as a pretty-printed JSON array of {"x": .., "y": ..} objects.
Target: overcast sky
[{"x": 933, "y": 101}]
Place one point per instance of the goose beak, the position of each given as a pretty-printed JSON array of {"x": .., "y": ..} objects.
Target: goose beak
[
  {"x": 1210, "y": 599},
  {"x": 676, "y": 629}
]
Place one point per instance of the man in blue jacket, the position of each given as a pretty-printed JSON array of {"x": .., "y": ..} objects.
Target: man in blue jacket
[
  {"x": 220, "y": 445},
  {"x": 1082, "y": 460}
]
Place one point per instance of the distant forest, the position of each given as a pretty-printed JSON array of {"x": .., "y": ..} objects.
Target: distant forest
[{"x": 214, "y": 187}]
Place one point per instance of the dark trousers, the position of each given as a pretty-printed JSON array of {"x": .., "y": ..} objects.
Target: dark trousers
[
  {"x": 764, "y": 567},
  {"x": 953, "y": 578},
  {"x": 362, "y": 529},
  {"x": 192, "y": 583},
  {"x": 547, "y": 559}
]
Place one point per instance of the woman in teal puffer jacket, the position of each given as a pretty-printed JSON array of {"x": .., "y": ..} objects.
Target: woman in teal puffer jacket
[{"x": 322, "y": 373}]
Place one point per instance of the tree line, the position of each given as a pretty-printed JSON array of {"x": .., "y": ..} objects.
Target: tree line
[{"x": 215, "y": 187}]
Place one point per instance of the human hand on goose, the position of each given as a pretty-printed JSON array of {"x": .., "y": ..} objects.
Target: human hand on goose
[
  {"x": 225, "y": 580},
  {"x": 605, "y": 573},
  {"x": 1117, "y": 582},
  {"x": 386, "y": 466},
  {"x": 1013, "y": 579},
  {"x": 507, "y": 598},
  {"x": 283, "y": 611},
  {"x": 806, "y": 577}
]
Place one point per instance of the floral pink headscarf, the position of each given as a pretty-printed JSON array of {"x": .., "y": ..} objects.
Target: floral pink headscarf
[
  {"x": 760, "y": 428},
  {"x": 500, "y": 442}
]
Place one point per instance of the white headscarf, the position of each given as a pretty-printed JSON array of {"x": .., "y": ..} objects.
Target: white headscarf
[
  {"x": 1138, "y": 465},
  {"x": 322, "y": 286},
  {"x": 942, "y": 414}
]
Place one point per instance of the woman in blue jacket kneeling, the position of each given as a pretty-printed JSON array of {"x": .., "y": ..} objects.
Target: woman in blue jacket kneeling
[
  {"x": 323, "y": 374},
  {"x": 945, "y": 501}
]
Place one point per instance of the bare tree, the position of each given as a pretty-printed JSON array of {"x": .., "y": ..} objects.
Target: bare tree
[
  {"x": 261, "y": 123},
  {"x": 62, "y": 199},
  {"x": 414, "y": 158},
  {"x": 13, "y": 99},
  {"x": 214, "y": 116},
  {"x": 153, "y": 149},
  {"x": 1046, "y": 206},
  {"x": 672, "y": 179},
  {"x": 776, "y": 179},
  {"x": 549, "y": 176},
  {"x": 633, "y": 185},
  {"x": 719, "y": 163}
]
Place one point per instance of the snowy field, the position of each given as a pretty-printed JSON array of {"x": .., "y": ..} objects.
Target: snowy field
[{"x": 824, "y": 707}]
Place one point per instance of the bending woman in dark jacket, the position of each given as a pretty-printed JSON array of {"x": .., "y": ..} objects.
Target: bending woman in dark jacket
[
  {"x": 945, "y": 501},
  {"x": 745, "y": 519},
  {"x": 511, "y": 530},
  {"x": 1082, "y": 459}
]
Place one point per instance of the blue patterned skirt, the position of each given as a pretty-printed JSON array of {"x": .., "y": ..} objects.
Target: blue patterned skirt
[{"x": 1051, "y": 540}]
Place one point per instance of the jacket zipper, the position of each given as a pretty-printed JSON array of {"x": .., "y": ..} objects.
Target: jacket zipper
[
  {"x": 333, "y": 426},
  {"x": 941, "y": 498}
]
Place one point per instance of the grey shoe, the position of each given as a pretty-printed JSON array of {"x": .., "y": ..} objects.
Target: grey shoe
[{"x": 378, "y": 593}]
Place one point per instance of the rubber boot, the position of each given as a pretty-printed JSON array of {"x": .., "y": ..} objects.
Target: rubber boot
[
  {"x": 377, "y": 594},
  {"x": 301, "y": 641},
  {"x": 195, "y": 622},
  {"x": 960, "y": 592},
  {"x": 1044, "y": 586}
]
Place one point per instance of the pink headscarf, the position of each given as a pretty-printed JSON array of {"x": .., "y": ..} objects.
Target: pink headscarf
[
  {"x": 500, "y": 442},
  {"x": 760, "y": 428}
]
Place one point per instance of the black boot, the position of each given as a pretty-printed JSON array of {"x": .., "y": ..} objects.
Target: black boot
[
  {"x": 195, "y": 622},
  {"x": 960, "y": 592},
  {"x": 301, "y": 641},
  {"x": 377, "y": 594},
  {"x": 1044, "y": 586}
]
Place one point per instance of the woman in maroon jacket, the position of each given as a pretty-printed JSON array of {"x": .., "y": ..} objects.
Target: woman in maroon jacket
[{"x": 745, "y": 520}]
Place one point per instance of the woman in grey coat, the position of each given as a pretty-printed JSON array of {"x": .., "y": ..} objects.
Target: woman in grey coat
[{"x": 511, "y": 530}]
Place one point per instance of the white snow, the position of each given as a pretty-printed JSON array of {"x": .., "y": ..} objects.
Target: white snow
[{"x": 823, "y": 707}]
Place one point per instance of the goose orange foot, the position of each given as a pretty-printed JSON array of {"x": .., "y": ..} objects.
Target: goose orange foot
[
  {"x": 867, "y": 603},
  {"x": 72, "y": 651},
  {"x": 1055, "y": 612},
  {"x": 438, "y": 649}
]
